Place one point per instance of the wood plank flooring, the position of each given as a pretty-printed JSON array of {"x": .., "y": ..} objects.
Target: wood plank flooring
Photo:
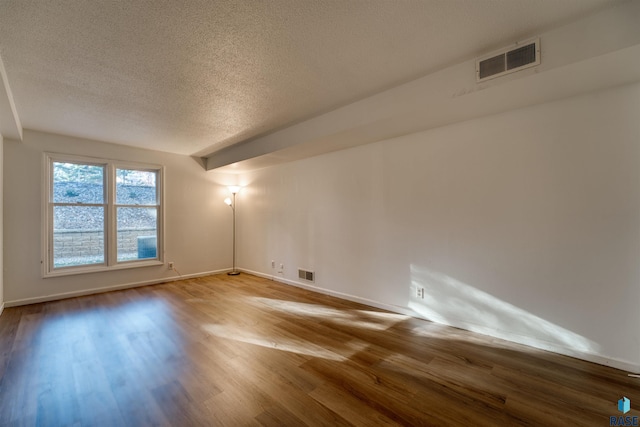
[{"x": 245, "y": 351}]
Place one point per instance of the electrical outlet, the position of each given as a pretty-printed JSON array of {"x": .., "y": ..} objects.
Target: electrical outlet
[
  {"x": 171, "y": 266},
  {"x": 420, "y": 293},
  {"x": 281, "y": 269},
  {"x": 273, "y": 264}
]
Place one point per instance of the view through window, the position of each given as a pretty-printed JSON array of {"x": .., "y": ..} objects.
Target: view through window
[
  {"x": 79, "y": 211},
  {"x": 81, "y": 205},
  {"x": 137, "y": 214}
]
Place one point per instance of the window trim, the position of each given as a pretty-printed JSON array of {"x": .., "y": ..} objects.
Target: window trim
[{"x": 110, "y": 227}]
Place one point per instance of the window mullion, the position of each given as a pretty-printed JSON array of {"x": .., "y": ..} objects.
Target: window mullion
[
  {"x": 111, "y": 236},
  {"x": 80, "y": 205}
]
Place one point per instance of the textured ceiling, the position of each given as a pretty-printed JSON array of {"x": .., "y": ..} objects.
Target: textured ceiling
[{"x": 193, "y": 77}]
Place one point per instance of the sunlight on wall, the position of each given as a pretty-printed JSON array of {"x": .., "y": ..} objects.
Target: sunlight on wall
[{"x": 451, "y": 302}]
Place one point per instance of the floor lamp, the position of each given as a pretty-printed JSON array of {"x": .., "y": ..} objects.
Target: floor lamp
[{"x": 234, "y": 189}]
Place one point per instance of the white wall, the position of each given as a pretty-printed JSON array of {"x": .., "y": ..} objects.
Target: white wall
[
  {"x": 1, "y": 225},
  {"x": 197, "y": 226},
  {"x": 522, "y": 225}
]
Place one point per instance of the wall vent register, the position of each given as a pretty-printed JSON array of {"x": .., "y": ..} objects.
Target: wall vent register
[
  {"x": 306, "y": 275},
  {"x": 505, "y": 61}
]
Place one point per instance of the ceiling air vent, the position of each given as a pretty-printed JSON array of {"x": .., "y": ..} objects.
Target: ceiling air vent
[{"x": 523, "y": 55}]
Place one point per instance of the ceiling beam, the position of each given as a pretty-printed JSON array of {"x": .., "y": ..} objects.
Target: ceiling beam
[{"x": 598, "y": 51}]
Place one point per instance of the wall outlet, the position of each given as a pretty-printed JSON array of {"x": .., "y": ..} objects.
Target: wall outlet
[
  {"x": 281, "y": 269},
  {"x": 273, "y": 264},
  {"x": 420, "y": 293},
  {"x": 171, "y": 265}
]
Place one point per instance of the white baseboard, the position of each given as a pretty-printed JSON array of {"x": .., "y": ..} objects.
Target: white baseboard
[
  {"x": 538, "y": 344},
  {"x": 348, "y": 297},
  {"x": 517, "y": 338},
  {"x": 1, "y": 308},
  {"x": 83, "y": 292}
]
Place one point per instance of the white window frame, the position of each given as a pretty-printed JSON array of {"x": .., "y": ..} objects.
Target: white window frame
[{"x": 110, "y": 227}]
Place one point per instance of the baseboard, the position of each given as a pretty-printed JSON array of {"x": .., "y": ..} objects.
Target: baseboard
[
  {"x": 532, "y": 342},
  {"x": 83, "y": 292},
  {"x": 516, "y": 338},
  {"x": 1, "y": 308},
  {"x": 538, "y": 344},
  {"x": 348, "y": 297}
]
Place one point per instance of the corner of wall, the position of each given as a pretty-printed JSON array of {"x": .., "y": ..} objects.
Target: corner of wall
[{"x": 1, "y": 225}]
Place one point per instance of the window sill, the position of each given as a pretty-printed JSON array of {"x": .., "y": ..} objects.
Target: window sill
[{"x": 70, "y": 271}]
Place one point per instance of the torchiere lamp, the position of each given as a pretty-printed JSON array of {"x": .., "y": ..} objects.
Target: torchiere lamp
[{"x": 234, "y": 189}]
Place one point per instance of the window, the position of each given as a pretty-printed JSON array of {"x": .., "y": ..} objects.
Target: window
[
  {"x": 136, "y": 214},
  {"x": 101, "y": 215}
]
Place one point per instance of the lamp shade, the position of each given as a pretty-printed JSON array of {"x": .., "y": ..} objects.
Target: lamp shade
[
  {"x": 234, "y": 189},
  {"x": 227, "y": 201}
]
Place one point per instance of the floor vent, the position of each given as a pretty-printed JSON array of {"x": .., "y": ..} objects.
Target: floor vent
[
  {"x": 306, "y": 275},
  {"x": 505, "y": 61}
]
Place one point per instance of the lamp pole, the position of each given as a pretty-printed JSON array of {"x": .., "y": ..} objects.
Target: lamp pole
[
  {"x": 232, "y": 204},
  {"x": 234, "y": 272}
]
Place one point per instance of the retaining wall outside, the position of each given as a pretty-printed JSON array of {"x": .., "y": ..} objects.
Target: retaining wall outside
[{"x": 73, "y": 243}]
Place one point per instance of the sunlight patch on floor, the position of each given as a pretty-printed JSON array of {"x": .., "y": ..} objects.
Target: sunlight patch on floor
[
  {"x": 378, "y": 321},
  {"x": 276, "y": 343},
  {"x": 301, "y": 308},
  {"x": 383, "y": 315}
]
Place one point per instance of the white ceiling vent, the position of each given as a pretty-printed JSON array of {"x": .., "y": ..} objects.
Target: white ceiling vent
[{"x": 508, "y": 60}]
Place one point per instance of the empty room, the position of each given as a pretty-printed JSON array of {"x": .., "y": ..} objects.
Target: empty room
[{"x": 320, "y": 212}]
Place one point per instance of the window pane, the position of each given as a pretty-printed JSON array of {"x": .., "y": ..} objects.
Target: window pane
[
  {"x": 75, "y": 183},
  {"x": 78, "y": 235},
  {"x": 137, "y": 233},
  {"x": 135, "y": 187}
]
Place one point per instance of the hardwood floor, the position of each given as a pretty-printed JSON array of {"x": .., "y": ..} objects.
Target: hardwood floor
[{"x": 243, "y": 350}]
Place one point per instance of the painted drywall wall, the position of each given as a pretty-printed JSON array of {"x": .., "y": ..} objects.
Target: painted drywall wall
[
  {"x": 522, "y": 225},
  {"x": 1, "y": 225},
  {"x": 197, "y": 223}
]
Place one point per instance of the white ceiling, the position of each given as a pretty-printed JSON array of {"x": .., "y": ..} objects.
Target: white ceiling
[{"x": 193, "y": 77}]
